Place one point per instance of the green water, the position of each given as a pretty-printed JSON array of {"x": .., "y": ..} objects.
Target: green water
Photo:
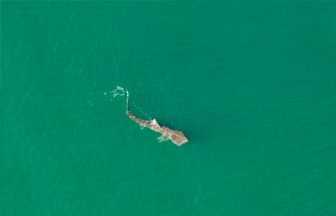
[{"x": 252, "y": 84}]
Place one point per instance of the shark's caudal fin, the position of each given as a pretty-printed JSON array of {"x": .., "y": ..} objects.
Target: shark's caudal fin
[
  {"x": 127, "y": 98},
  {"x": 120, "y": 91}
]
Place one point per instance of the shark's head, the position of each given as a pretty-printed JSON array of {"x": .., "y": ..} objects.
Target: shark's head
[{"x": 179, "y": 138}]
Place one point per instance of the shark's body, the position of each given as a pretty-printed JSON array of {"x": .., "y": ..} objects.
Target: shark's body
[{"x": 177, "y": 137}]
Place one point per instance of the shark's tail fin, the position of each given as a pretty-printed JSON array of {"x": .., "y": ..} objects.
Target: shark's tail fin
[
  {"x": 120, "y": 91},
  {"x": 127, "y": 98}
]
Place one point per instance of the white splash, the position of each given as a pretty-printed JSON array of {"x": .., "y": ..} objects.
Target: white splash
[{"x": 119, "y": 91}]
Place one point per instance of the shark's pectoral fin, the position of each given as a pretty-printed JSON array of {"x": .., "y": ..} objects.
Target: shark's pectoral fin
[
  {"x": 162, "y": 138},
  {"x": 142, "y": 126}
]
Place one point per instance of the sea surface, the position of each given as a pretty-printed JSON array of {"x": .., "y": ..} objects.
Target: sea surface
[{"x": 252, "y": 84}]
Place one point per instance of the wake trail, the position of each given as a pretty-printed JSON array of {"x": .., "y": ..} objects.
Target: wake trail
[{"x": 121, "y": 92}]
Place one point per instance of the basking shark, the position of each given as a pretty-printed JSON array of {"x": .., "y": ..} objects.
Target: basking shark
[{"x": 177, "y": 137}]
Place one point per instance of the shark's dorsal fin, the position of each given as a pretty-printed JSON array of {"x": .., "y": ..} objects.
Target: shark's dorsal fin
[{"x": 154, "y": 122}]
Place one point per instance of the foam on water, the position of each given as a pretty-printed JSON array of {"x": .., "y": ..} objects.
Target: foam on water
[{"x": 120, "y": 92}]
